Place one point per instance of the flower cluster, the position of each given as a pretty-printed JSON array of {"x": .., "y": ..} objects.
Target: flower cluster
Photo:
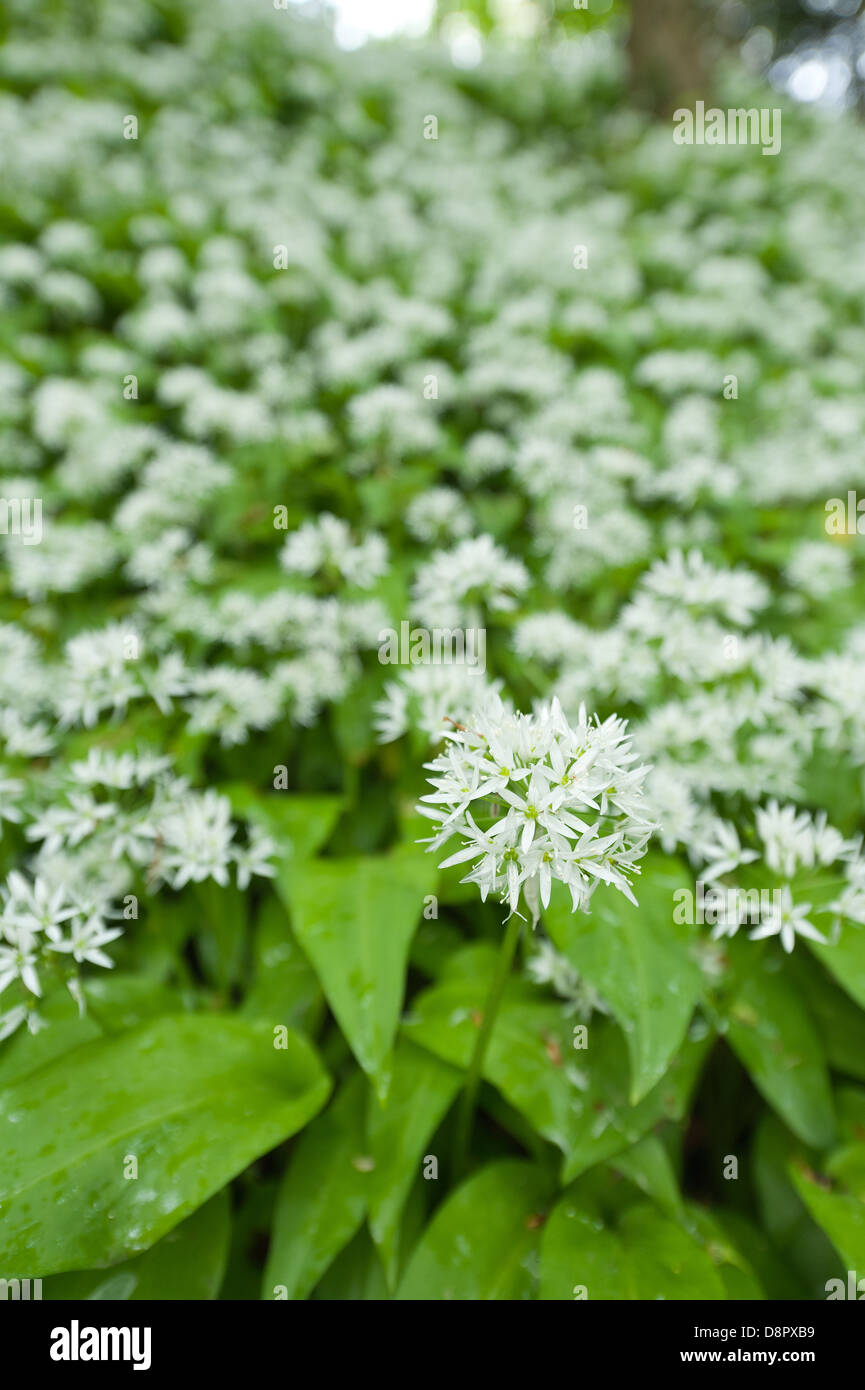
[
  {"x": 804, "y": 866},
  {"x": 534, "y": 798},
  {"x": 44, "y": 930}
]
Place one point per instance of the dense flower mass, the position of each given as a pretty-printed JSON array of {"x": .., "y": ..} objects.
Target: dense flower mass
[
  {"x": 267, "y": 419},
  {"x": 535, "y": 799},
  {"x": 367, "y": 415}
]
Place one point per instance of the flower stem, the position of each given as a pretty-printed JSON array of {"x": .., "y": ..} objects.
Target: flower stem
[{"x": 468, "y": 1098}]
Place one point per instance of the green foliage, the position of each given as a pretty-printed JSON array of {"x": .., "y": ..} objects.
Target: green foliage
[{"x": 299, "y": 1079}]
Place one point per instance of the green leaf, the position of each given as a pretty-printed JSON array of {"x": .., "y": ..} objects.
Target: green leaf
[
  {"x": 187, "y": 1263},
  {"x": 66, "y": 1030},
  {"x": 355, "y": 919},
  {"x": 647, "y": 1165},
  {"x": 118, "y": 1001},
  {"x": 851, "y": 1113},
  {"x": 645, "y": 1256},
  {"x": 734, "y": 1269},
  {"x": 839, "y": 1214},
  {"x": 769, "y": 1028},
  {"x": 356, "y": 1275},
  {"x": 285, "y": 988},
  {"x": 115, "y": 1001},
  {"x": 193, "y": 1099},
  {"x": 578, "y": 1100},
  {"x": 301, "y": 824},
  {"x": 420, "y": 1094},
  {"x": 221, "y": 931},
  {"x": 839, "y": 1022},
  {"x": 807, "y": 1251},
  {"x": 771, "y": 1268},
  {"x": 639, "y": 960},
  {"x": 480, "y": 1243},
  {"x": 845, "y": 959},
  {"x": 322, "y": 1197}
]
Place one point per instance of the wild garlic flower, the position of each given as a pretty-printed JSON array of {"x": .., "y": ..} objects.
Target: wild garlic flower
[
  {"x": 455, "y": 586},
  {"x": 792, "y": 875},
  {"x": 326, "y": 544},
  {"x": 39, "y": 924},
  {"x": 690, "y": 580},
  {"x": 547, "y": 966},
  {"x": 423, "y": 697},
  {"x": 534, "y": 799},
  {"x": 438, "y": 514}
]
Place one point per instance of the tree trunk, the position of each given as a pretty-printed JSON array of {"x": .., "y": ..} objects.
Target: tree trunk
[{"x": 666, "y": 52}]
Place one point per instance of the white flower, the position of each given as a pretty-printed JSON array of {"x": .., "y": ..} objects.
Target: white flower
[
  {"x": 85, "y": 940},
  {"x": 424, "y": 696},
  {"x": 326, "y": 543},
  {"x": 255, "y": 858},
  {"x": 456, "y": 585},
  {"x": 787, "y": 920},
  {"x": 196, "y": 839},
  {"x": 689, "y": 579},
  {"x": 19, "y": 963},
  {"x": 69, "y": 825},
  {"x": 10, "y": 789},
  {"x": 788, "y": 837},
  {"x": 560, "y": 802},
  {"x": 438, "y": 514},
  {"x": 33, "y": 906},
  {"x": 13, "y": 1018},
  {"x": 549, "y": 966},
  {"x": 721, "y": 850}
]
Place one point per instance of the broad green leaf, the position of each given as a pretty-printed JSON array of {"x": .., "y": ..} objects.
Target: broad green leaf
[
  {"x": 356, "y": 1275},
  {"x": 846, "y": 1163},
  {"x": 647, "y": 1165},
  {"x": 806, "y": 1250},
  {"x": 639, "y": 960},
  {"x": 839, "y": 1214},
  {"x": 577, "y": 1099},
  {"x": 421, "y": 1092},
  {"x": 285, "y": 987},
  {"x": 253, "y": 1196},
  {"x": 480, "y": 1244},
  {"x": 322, "y": 1197},
  {"x": 115, "y": 1001},
  {"x": 65, "y": 1030},
  {"x": 771, "y": 1268},
  {"x": 851, "y": 1113},
  {"x": 193, "y": 1099},
  {"x": 355, "y": 919},
  {"x": 847, "y": 1166},
  {"x": 118, "y": 1001},
  {"x": 845, "y": 959},
  {"x": 769, "y": 1028},
  {"x": 734, "y": 1269},
  {"x": 221, "y": 932},
  {"x": 644, "y": 1256},
  {"x": 839, "y": 1022},
  {"x": 300, "y": 823},
  {"x": 187, "y": 1263}
]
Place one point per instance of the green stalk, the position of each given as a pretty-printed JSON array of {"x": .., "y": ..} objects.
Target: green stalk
[{"x": 465, "y": 1114}]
